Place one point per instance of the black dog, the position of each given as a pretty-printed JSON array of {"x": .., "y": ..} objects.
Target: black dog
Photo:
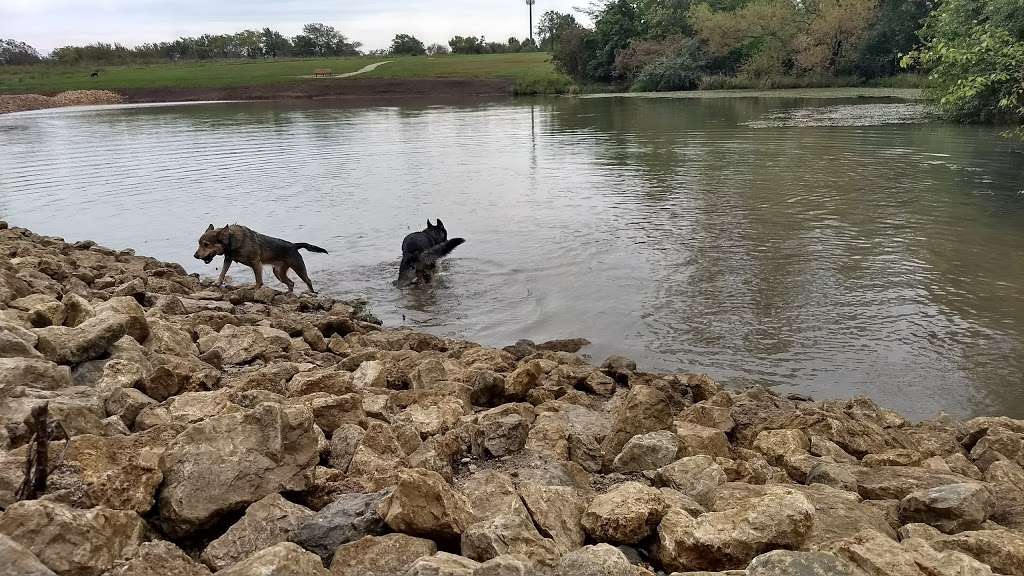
[{"x": 421, "y": 251}]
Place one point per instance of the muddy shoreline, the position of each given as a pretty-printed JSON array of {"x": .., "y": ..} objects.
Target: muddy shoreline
[
  {"x": 349, "y": 89},
  {"x": 236, "y": 431}
]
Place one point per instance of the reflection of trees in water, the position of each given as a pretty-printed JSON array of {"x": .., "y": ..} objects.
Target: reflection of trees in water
[{"x": 800, "y": 247}]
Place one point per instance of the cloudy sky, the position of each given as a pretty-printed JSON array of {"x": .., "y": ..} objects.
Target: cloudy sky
[{"x": 47, "y": 24}]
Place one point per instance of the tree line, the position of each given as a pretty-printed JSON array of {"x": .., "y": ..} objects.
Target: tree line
[{"x": 316, "y": 40}]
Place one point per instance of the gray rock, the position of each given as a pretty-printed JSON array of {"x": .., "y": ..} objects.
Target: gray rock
[
  {"x": 951, "y": 508},
  {"x": 348, "y": 518}
]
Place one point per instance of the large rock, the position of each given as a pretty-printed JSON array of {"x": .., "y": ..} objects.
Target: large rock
[
  {"x": 790, "y": 563},
  {"x": 695, "y": 440},
  {"x": 1001, "y": 549},
  {"x": 777, "y": 444},
  {"x": 14, "y": 346},
  {"x": 423, "y": 504},
  {"x": 503, "y": 430},
  {"x": 694, "y": 476},
  {"x": 596, "y": 560},
  {"x": 229, "y": 461},
  {"x": 283, "y": 559},
  {"x": 731, "y": 538},
  {"x": 380, "y": 555},
  {"x": 876, "y": 554},
  {"x": 128, "y": 308},
  {"x": 243, "y": 344},
  {"x": 19, "y": 561},
  {"x": 626, "y": 514},
  {"x": 442, "y": 564},
  {"x": 344, "y": 442},
  {"x": 265, "y": 523},
  {"x": 557, "y": 513},
  {"x": 159, "y": 558},
  {"x": 73, "y": 542},
  {"x": 348, "y": 518},
  {"x": 951, "y": 508},
  {"x": 87, "y": 341},
  {"x": 644, "y": 409},
  {"x": 507, "y": 533},
  {"x": 895, "y": 482},
  {"x": 647, "y": 452},
  {"x": 32, "y": 372}
]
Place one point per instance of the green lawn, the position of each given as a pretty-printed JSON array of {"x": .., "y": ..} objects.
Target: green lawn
[{"x": 533, "y": 69}]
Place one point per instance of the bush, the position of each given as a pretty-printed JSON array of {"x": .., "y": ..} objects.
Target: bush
[
  {"x": 679, "y": 72},
  {"x": 642, "y": 53},
  {"x": 436, "y": 49},
  {"x": 407, "y": 45},
  {"x": 571, "y": 54}
]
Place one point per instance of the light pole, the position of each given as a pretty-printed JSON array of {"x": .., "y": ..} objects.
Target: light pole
[{"x": 530, "y": 3}]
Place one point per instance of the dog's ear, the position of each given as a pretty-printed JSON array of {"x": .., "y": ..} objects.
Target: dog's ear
[
  {"x": 429, "y": 225},
  {"x": 210, "y": 227},
  {"x": 439, "y": 224}
]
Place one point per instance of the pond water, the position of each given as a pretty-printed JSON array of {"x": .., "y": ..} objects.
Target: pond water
[{"x": 812, "y": 245}]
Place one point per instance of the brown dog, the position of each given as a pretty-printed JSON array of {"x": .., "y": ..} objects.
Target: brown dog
[{"x": 240, "y": 244}]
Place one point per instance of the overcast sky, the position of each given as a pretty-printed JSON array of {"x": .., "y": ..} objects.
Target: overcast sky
[{"x": 47, "y": 24}]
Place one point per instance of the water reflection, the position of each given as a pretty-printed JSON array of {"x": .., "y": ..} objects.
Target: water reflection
[{"x": 882, "y": 260}]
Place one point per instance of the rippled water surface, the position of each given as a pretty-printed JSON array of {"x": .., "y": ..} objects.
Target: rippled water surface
[{"x": 759, "y": 240}]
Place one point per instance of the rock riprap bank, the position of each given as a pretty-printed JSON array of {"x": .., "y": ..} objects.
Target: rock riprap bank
[{"x": 243, "y": 431}]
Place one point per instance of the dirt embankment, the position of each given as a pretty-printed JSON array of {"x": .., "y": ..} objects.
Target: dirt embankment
[
  {"x": 348, "y": 88},
  {"x": 22, "y": 102},
  {"x": 244, "y": 431}
]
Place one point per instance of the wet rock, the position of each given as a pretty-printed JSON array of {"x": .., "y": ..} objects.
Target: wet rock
[
  {"x": 229, "y": 461},
  {"x": 423, "y": 504},
  {"x": 284, "y": 559},
  {"x": 159, "y": 558},
  {"x": 694, "y": 476},
  {"x": 348, "y": 518},
  {"x": 626, "y": 514},
  {"x": 73, "y": 542},
  {"x": 647, "y": 452},
  {"x": 731, "y": 538},
  {"x": 442, "y": 564},
  {"x": 951, "y": 508},
  {"x": 791, "y": 563},
  {"x": 644, "y": 409},
  {"x": 19, "y": 561},
  {"x": 380, "y": 555},
  {"x": 695, "y": 440},
  {"x": 557, "y": 512},
  {"x": 265, "y": 523}
]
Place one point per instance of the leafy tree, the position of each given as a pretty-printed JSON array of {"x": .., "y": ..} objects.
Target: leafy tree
[
  {"x": 892, "y": 34},
  {"x": 13, "y": 52},
  {"x": 666, "y": 17},
  {"x": 615, "y": 25},
  {"x": 467, "y": 45},
  {"x": 974, "y": 52},
  {"x": 830, "y": 42},
  {"x": 571, "y": 54},
  {"x": 755, "y": 39},
  {"x": 322, "y": 40},
  {"x": 552, "y": 25},
  {"x": 275, "y": 44},
  {"x": 407, "y": 45},
  {"x": 436, "y": 49}
]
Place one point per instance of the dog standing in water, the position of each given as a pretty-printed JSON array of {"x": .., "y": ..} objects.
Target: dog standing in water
[
  {"x": 240, "y": 244},
  {"x": 421, "y": 251}
]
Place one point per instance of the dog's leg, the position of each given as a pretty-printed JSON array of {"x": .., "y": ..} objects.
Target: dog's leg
[
  {"x": 300, "y": 270},
  {"x": 224, "y": 270},
  {"x": 257, "y": 270},
  {"x": 281, "y": 271}
]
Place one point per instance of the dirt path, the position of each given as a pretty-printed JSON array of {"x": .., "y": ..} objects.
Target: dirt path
[{"x": 364, "y": 69}]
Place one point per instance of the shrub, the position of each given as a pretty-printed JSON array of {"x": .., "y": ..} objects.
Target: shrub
[{"x": 679, "y": 72}]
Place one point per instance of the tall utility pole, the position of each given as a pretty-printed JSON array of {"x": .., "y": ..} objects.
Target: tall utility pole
[{"x": 530, "y": 4}]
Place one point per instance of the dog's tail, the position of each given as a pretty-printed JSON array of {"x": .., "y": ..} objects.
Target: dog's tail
[
  {"x": 442, "y": 249},
  {"x": 310, "y": 247}
]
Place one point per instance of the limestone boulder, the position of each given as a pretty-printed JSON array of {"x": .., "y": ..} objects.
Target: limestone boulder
[
  {"x": 442, "y": 564},
  {"x": 229, "y": 461},
  {"x": 266, "y": 522},
  {"x": 626, "y": 514},
  {"x": 951, "y": 508},
  {"x": 283, "y": 559},
  {"x": 695, "y": 440},
  {"x": 644, "y": 409},
  {"x": 344, "y": 441},
  {"x": 557, "y": 511},
  {"x": 647, "y": 452},
  {"x": 896, "y": 482},
  {"x": 597, "y": 560},
  {"x": 423, "y": 504},
  {"x": 73, "y": 542},
  {"x": 243, "y": 344},
  {"x": 696, "y": 477},
  {"x": 380, "y": 555},
  {"x": 732, "y": 538},
  {"x": 159, "y": 558},
  {"x": 1003, "y": 550},
  {"x": 523, "y": 379},
  {"x": 32, "y": 372},
  {"x": 708, "y": 415},
  {"x": 87, "y": 341},
  {"x": 19, "y": 561},
  {"x": 795, "y": 563},
  {"x": 504, "y": 429},
  {"x": 506, "y": 533},
  {"x": 777, "y": 444},
  {"x": 508, "y": 565}
]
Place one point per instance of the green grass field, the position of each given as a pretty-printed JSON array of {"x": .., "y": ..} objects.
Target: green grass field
[{"x": 530, "y": 72}]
